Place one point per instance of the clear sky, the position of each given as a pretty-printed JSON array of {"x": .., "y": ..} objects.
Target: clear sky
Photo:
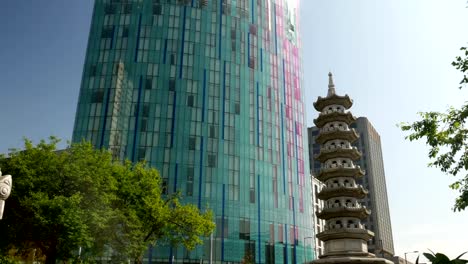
[{"x": 391, "y": 56}]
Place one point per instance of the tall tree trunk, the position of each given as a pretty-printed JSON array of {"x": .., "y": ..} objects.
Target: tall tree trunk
[
  {"x": 138, "y": 260},
  {"x": 51, "y": 256}
]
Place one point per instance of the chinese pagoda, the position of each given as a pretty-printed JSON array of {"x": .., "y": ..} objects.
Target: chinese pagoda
[{"x": 344, "y": 236}]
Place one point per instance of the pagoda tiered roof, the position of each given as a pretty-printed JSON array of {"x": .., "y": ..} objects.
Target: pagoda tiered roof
[
  {"x": 349, "y": 135},
  {"x": 343, "y": 211},
  {"x": 338, "y": 152},
  {"x": 333, "y": 99},
  {"x": 340, "y": 171},
  {"x": 346, "y": 117},
  {"x": 357, "y": 192}
]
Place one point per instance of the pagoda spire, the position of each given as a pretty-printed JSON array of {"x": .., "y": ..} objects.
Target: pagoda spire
[{"x": 331, "y": 85}]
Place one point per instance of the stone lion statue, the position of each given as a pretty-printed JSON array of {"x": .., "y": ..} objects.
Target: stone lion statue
[{"x": 5, "y": 189}]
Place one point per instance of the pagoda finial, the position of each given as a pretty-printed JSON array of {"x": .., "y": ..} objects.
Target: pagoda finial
[{"x": 331, "y": 85}]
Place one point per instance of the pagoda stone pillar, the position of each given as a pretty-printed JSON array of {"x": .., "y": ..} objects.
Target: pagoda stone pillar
[{"x": 344, "y": 237}]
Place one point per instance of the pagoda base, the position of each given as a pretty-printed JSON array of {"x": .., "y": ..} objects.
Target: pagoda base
[
  {"x": 351, "y": 260},
  {"x": 346, "y": 247}
]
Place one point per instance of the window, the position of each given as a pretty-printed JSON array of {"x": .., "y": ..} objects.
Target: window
[
  {"x": 252, "y": 62},
  {"x": 92, "y": 70},
  {"x": 253, "y": 29},
  {"x": 157, "y": 10},
  {"x": 144, "y": 125},
  {"x": 192, "y": 143},
  {"x": 220, "y": 224},
  {"x": 203, "y": 3},
  {"x": 173, "y": 59},
  {"x": 148, "y": 83},
  {"x": 252, "y": 188},
  {"x": 189, "y": 184},
  {"x": 127, "y": 9},
  {"x": 172, "y": 85},
  {"x": 110, "y": 9},
  {"x": 281, "y": 234},
  {"x": 97, "y": 96},
  {"x": 107, "y": 32},
  {"x": 141, "y": 153},
  {"x": 338, "y": 224},
  {"x": 125, "y": 32},
  {"x": 244, "y": 228},
  {"x": 146, "y": 111},
  {"x": 252, "y": 195},
  {"x": 190, "y": 100},
  {"x": 316, "y": 193},
  {"x": 212, "y": 133},
  {"x": 211, "y": 160},
  {"x": 237, "y": 108}
]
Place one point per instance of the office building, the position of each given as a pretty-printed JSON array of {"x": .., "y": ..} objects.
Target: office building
[
  {"x": 371, "y": 162},
  {"x": 210, "y": 93},
  {"x": 319, "y": 224}
]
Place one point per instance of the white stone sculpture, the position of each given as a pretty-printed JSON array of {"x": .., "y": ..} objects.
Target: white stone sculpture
[{"x": 5, "y": 189}]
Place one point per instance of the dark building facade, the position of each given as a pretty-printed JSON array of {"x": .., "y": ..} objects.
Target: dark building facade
[
  {"x": 374, "y": 181},
  {"x": 210, "y": 93}
]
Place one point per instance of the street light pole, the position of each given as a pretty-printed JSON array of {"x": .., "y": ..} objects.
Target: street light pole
[
  {"x": 406, "y": 262},
  {"x": 305, "y": 251},
  {"x": 211, "y": 248}
]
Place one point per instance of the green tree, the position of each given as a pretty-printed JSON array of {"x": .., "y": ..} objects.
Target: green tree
[
  {"x": 58, "y": 198},
  {"x": 145, "y": 217},
  {"x": 446, "y": 135},
  {"x": 81, "y": 198},
  {"x": 439, "y": 258}
]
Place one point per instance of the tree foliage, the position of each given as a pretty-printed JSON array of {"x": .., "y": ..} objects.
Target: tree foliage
[
  {"x": 439, "y": 258},
  {"x": 446, "y": 135},
  {"x": 81, "y": 198}
]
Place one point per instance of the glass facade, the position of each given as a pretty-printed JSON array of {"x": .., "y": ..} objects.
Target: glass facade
[{"x": 210, "y": 93}]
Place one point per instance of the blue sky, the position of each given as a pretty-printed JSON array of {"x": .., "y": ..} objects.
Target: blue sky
[{"x": 391, "y": 56}]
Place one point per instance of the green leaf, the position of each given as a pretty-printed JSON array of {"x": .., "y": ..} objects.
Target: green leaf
[{"x": 430, "y": 257}]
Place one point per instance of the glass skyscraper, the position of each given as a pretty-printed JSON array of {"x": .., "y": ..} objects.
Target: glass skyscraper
[{"x": 210, "y": 93}]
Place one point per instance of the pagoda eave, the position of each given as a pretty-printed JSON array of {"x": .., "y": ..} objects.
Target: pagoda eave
[
  {"x": 349, "y": 135},
  {"x": 347, "y": 117},
  {"x": 342, "y": 211},
  {"x": 357, "y": 192},
  {"x": 323, "y": 102},
  {"x": 340, "y": 233},
  {"x": 340, "y": 171},
  {"x": 351, "y": 153}
]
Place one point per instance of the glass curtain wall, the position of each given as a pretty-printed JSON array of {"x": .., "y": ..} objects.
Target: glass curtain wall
[{"x": 210, "y": 93}]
